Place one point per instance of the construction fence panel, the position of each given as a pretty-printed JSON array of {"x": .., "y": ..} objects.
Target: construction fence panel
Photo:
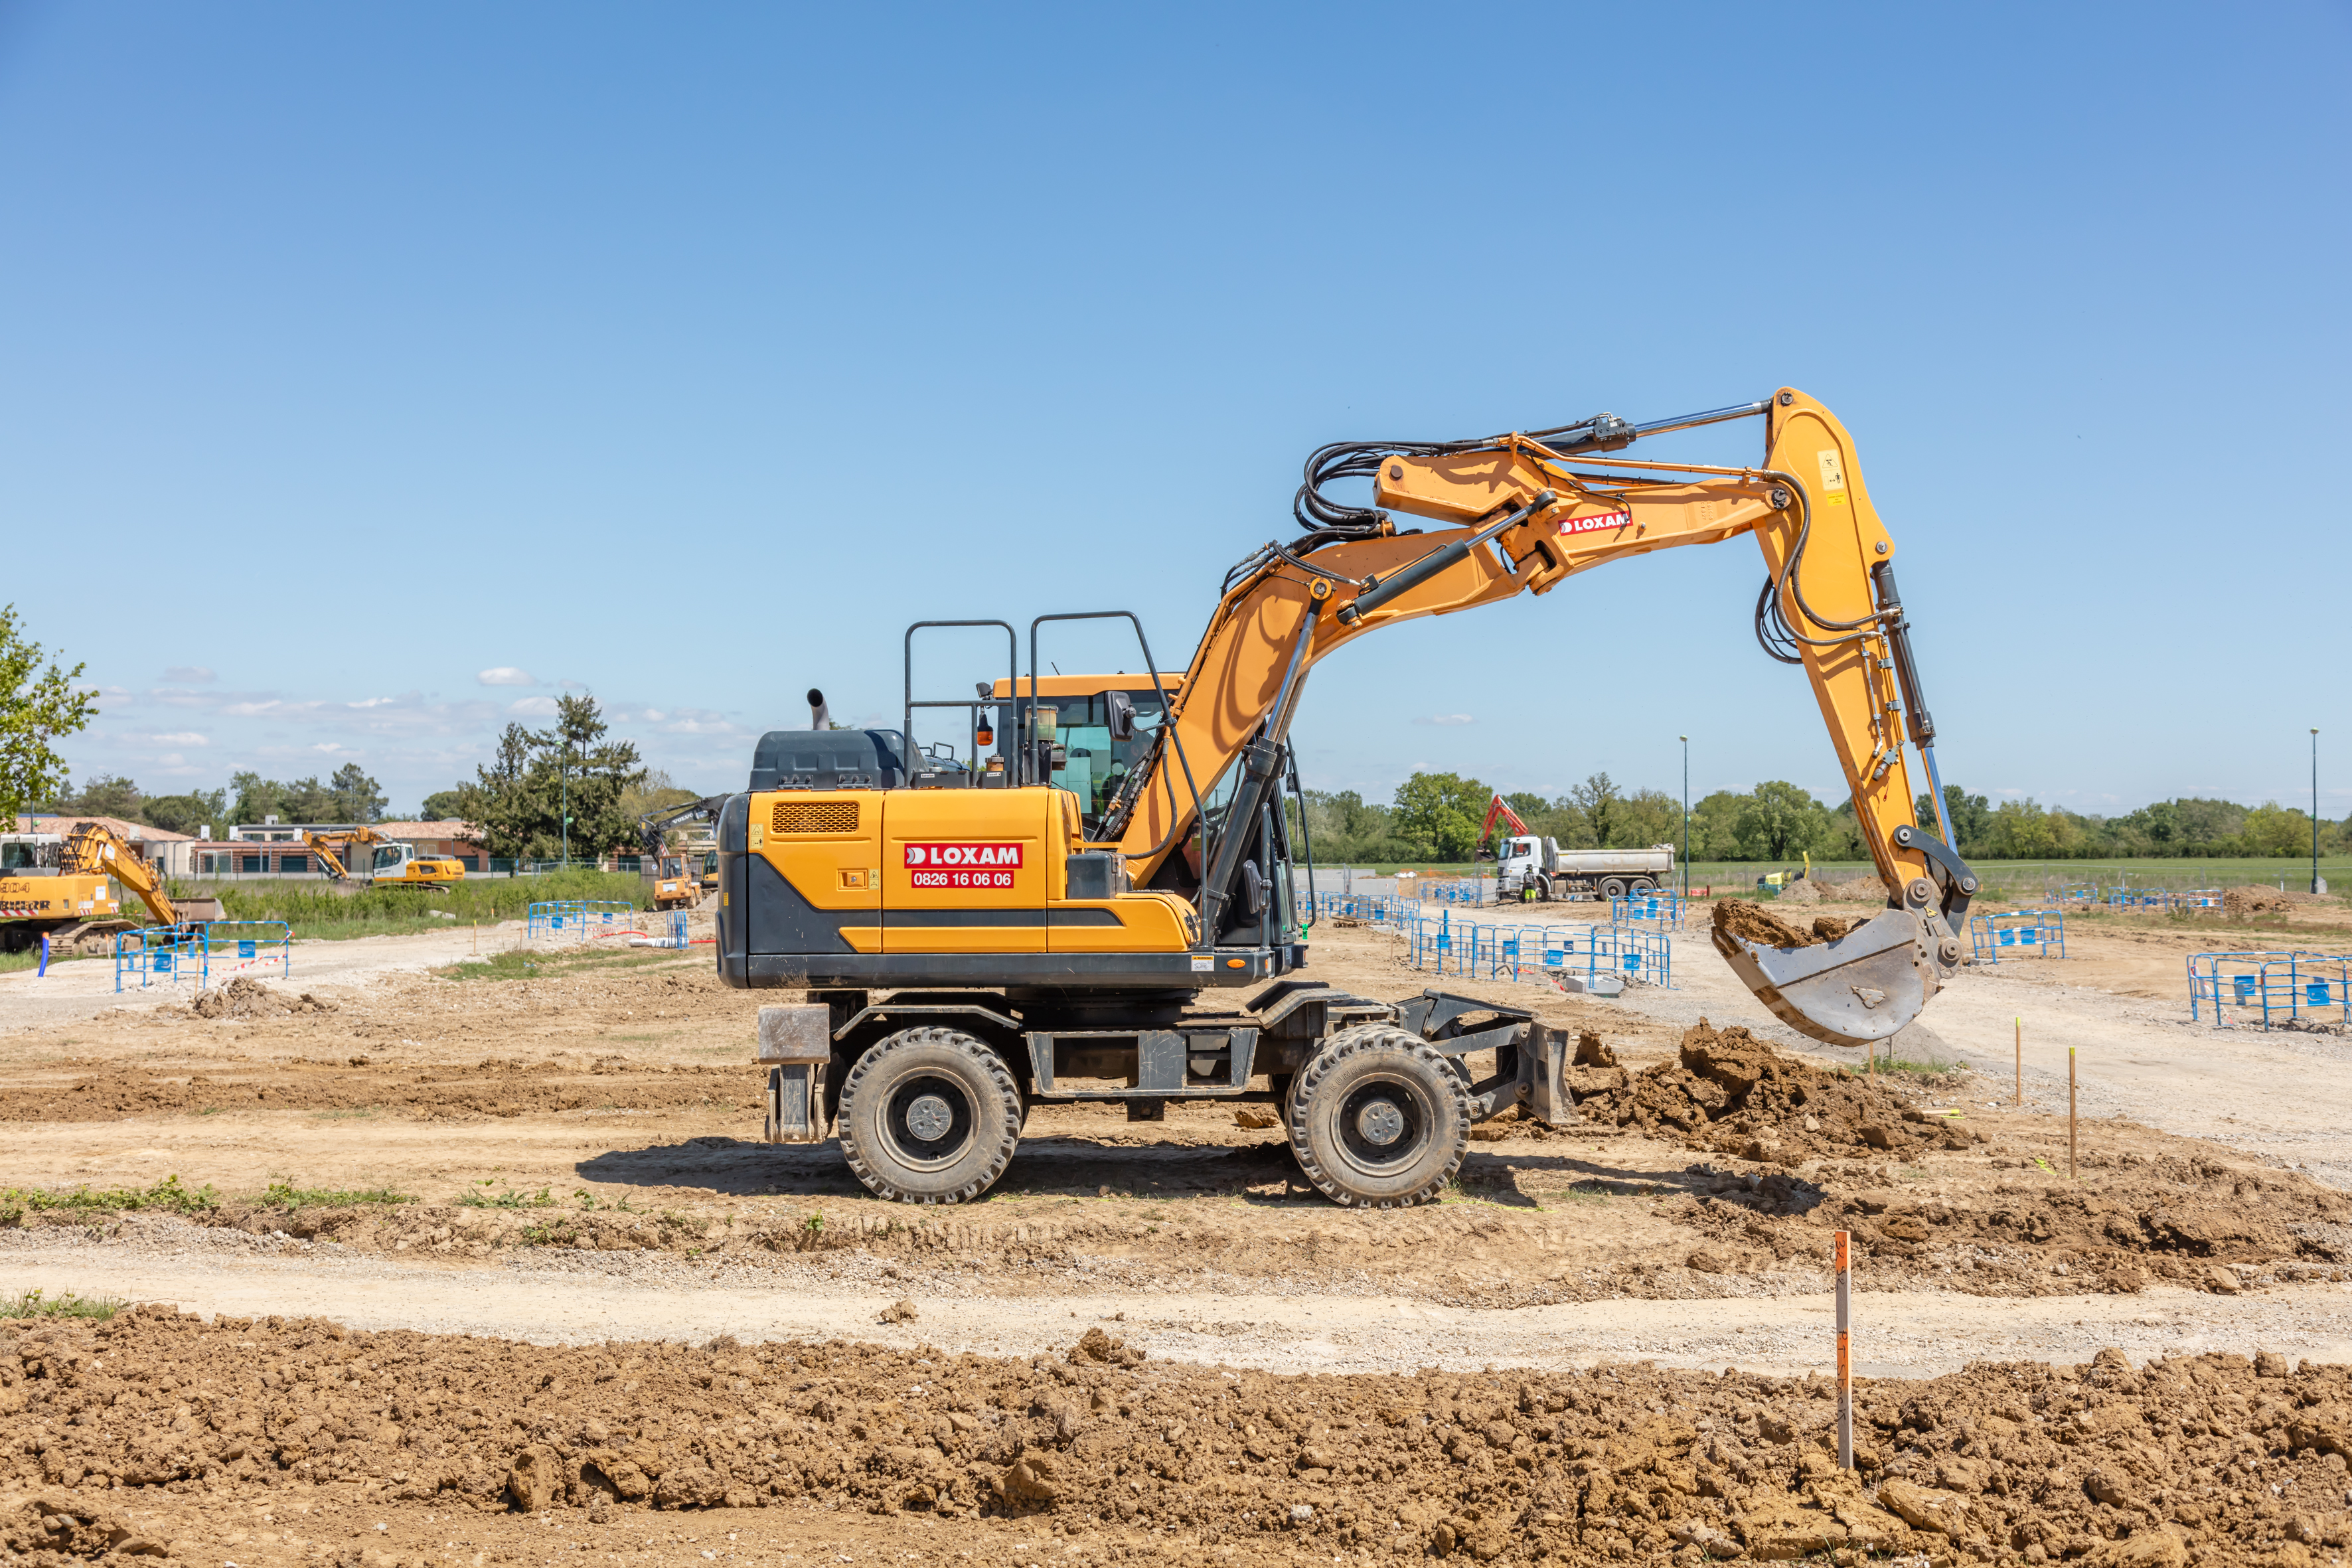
[
  {"x": 2270, "y": 989},
  {"x": 1537, "y": 952},
  {"x": 155, "y": 955},
  {"x": 578, "y": 920},
  {"x": 2017, "y": 933},
  {"x": 1657, "y": 911},
  {"x": 231, "y": 948}
]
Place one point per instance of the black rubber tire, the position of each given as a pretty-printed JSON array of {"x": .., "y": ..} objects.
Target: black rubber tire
[
  {"x": 982, "y": 1098},
  {"x": 1614, "y": 887},
  {"x": 1642, "y": 887},
  {"x": 1370, "y": 1061}
]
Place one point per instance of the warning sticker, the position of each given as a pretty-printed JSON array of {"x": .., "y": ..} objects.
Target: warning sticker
[
  {"x": 1833, "y": 469},
  {"x": 1595, "y": 523}
]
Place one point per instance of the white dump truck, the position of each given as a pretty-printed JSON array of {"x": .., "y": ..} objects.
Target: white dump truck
[{"x": 1539, "y": 868}]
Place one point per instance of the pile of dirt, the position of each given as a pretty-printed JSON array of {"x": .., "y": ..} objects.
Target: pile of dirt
[
  {"x": 2258, "y": 900},
  {"x": 490, "y": 1089},
  {"x": 246, "y": 997},
  {"x": 1730, "y": 1091},
  {"x": 2213, "y": 1456},
  {"x": 1861, "y": 890},
  {"x": 1754, "y": 922}
]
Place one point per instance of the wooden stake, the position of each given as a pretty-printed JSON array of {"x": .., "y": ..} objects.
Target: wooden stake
[
  {"x": 2021, "y": 1063},
  {"x": 1846, "y": 1348},
  {"x": 2070, "y": 1114}
]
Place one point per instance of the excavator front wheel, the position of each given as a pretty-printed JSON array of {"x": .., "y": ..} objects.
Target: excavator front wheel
[
  {"x": 1379, "y": 1119},
  {"x": 929, "y": 1116}
]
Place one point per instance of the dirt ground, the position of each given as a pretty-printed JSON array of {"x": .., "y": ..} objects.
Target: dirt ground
[{"x": 580, "y": 1144}]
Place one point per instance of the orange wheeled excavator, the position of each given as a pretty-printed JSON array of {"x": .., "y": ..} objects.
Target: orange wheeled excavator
[{"x": 973, "y": 941}]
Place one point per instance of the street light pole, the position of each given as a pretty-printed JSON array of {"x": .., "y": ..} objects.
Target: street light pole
[
  {"x": 2315, "y": 809},
  {"x": 564, "y": 801},
  {"x": 1686, "y": 816}
]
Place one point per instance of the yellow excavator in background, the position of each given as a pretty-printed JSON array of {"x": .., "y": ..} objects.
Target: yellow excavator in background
[
  {"x": 59, "y": 887},
  {"x": 973, "y": 940},
  {"x": 394, "y": 863}
]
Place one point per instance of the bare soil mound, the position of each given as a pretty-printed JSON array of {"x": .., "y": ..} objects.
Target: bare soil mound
[
  {"x": 2258, "y": 900},
  {"x": 1803, "y": 890},
  {"x": 246, "y": 997},
  {"x": 490, "y": 1089},
  {"x": 2216, "y": 1455},
  {"x": 1730, "y": 1091}
]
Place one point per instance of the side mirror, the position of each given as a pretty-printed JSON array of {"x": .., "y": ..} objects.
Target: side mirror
[{"x": 1122, "y": 715}]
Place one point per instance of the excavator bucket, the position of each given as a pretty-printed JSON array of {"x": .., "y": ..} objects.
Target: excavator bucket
[{"x": 1862, "y": 986}]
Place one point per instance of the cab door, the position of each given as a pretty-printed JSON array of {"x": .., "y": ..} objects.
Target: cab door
[{"x": 966, "y": 870}]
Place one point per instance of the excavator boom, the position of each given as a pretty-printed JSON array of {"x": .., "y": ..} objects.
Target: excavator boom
[
  {"x": 92, "y": 850},
  {"x": 1526, "y": 512}
]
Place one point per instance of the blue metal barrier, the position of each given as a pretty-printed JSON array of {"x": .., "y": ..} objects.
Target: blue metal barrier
[
  {"x": 2199, "y": 898},
  {"x": 154, "y": 954},
  {"x": 234, "y": 947},
  {"x": 1659, "y": 911},
  {"x": 577, "y": 919},
  {"x": 2156, "y": 899},
  {"x": 2269, "y": 988},
  {"x": 2017, "y": 933},
  {"x": 1539, "y": 951}
]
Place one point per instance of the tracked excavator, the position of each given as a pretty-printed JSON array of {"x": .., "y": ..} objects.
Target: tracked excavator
[
  {"x": 976, "y": 940},
  {"x": 59, "y": 887}
]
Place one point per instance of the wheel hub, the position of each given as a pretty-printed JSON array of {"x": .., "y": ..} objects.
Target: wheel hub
[
  {"x": 1380, "y": 1123},
  {"x": 929, "y": 1116}
]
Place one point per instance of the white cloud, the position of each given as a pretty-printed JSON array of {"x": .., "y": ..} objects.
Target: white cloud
[
  {"x": 182, "y": 738},
  {"x": 532, "y": 707},
  {"x": 1447, "y": 719},
  {"x": 327, "y": 746},
  {"x": 507, "y": 675},
  {"x": 188, "y": 675}
]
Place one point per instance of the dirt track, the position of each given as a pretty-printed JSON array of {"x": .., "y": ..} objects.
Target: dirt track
[{"x": 598, "y": 1119}]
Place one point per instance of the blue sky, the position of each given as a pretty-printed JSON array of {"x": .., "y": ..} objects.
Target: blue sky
[{"x": 369, "y": 374}]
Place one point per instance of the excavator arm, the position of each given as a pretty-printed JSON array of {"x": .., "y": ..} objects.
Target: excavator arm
[
  {"x": 92, "y": 850},
  {"x": 1525, "y": 512},
  {"x": 1500, "y": 808}
]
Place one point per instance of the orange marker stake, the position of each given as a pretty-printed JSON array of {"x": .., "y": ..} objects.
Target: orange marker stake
[{"x": 1846, "y": 1348}]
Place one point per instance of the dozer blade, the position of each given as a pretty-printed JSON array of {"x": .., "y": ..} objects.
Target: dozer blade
[{"x": 1861, "y": 987}]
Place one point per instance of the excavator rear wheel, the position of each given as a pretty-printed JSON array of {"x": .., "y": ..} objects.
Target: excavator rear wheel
[
  {"x": 1379, "y": 1119},
  {"x": 929, "y": 1116}
]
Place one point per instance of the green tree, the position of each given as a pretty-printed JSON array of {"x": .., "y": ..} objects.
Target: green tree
[
  {"x": 1714, "y": 826},
  {"x": 1437, "y": 815},
  {"x": 1777, "y": 821},
  {"x": 357, "y": 797},
  {"x": 538, "y": 778},
  {"x": 1647, "y": 816},
  {"x": 191, "y": 812},
  {"x": 2271, "y": 829},
  {"x": 104, "y": 796},
  {"x": 37, "y": 708},
  {"x": 1596, "y": 797},
  {"x": 445, "y": 804}
]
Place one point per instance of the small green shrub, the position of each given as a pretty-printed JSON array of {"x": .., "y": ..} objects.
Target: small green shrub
[
  {"x": 167, "y": 1196},
  {"x": 505, "y": 1198},
  {"x": 285, "y": 1195},
  {"x": 35, "y": 1304}
]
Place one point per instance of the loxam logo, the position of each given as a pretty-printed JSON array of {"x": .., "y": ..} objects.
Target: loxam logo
[{"x": 960, "y": 855}]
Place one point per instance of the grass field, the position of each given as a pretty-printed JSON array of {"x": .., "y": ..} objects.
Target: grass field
[{"x": 317, "y": 912}]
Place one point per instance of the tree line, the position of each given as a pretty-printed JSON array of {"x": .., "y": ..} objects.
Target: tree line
[
  {"x": 515, "y": 806},
  {"x": 2187, "y": 825},
  {"x": 1437, "y": 817}
]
